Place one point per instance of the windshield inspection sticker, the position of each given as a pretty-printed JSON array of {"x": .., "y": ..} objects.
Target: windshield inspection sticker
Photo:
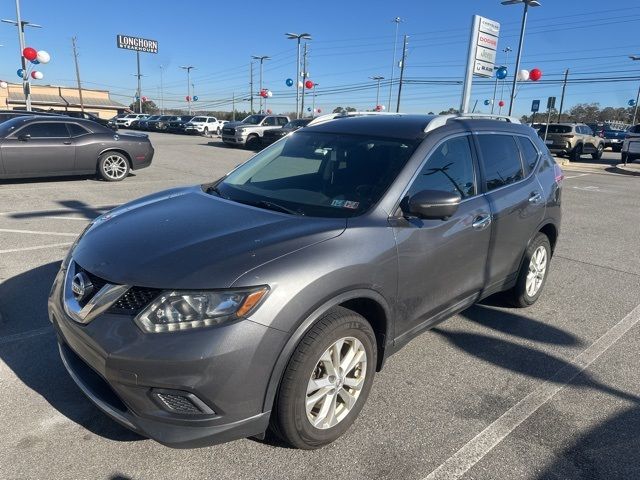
[{"x": 345, "y": 204}]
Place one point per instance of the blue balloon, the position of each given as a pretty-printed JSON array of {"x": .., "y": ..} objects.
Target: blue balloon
[
  {"x": 35, "y": 61},
  {"x": 195, "y": 98},
  {"x": 20, "y": 73},
  {"x": 308, "y": 109},
  {"x": 501, "y": 73},
  {"x": 487, "y": 102},
  {"x": 289, "y": 82},
  {"x": 631, "y": 102}
]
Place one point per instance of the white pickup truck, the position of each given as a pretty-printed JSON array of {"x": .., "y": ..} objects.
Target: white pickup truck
[
  {"x": 203, "y": 125},
  {"x": 249, "y": 131}
]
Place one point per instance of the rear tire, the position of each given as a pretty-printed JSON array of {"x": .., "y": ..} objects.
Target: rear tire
[
  {"x": 533, "y": 273},
  {"x": 253, "y": 142},
  {"x": 576, "y": 153},
  {"x": 206, "y": 131},
  {"x": 113, "y": 166},
  {"x": 327, "y": 380},
  {"x": 598, "y": 154}
]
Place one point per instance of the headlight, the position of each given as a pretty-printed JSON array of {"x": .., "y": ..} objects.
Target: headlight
[
  {"x": 239, "y": 131},
  {"x": 181, "y": 310}
]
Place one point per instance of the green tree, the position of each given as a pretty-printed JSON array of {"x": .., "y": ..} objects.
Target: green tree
[
  {"x": 148, "y": 107},
  {"x": 451, "y": 111}
]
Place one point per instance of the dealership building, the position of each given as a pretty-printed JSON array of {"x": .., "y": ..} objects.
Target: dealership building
[{"x": 50, "y": 97}]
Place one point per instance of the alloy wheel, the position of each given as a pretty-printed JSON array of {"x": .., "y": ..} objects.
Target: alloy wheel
[
  {"x": 537, "y": 271},
  {"x": 115, "y": 167},
  {"x": 336, "y": 382}
]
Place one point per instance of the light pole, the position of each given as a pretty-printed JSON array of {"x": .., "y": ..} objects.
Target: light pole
[
  {"x": 377, "y": 78},
  {"x": 298, "y": 37},
  {"x": 506, "y": 51},
  {"x": 161, "y": 91},
  {"x": 26, "y": 87},
  {"x": 188, "y": 68},
  {"x": 262, "y": 58},
  {"x": 397, "y": 21},
  {"x": 635, "y": 110},
  {"x": 527, "y": 4},
  {"x": 313, "y": 107},
  {"x": 139, "y": 89}
]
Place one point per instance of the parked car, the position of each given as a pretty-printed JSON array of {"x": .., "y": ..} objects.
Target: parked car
[
  {"x": 125, "y": 122},
  {"x": 274, "y": 294},
  {"x": 160, "y": 123},
  {"x": 271, "y": 136},
  {"x": 144, "y": 123},
  {"x": 573, "y": 140},
  {"x": 177, "y": 125},
  {"x": 249, "y": 131},
  {"x": 203, "y": 125},
  {"x": 631, "y": 144},
  {"x": 40, "y": 146},
  {"x": 613, "y": 137},
  {"x": 86, "y": 115}
]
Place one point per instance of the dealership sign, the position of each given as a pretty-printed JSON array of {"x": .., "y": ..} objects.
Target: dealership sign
[{"x": 136, "y": 43}]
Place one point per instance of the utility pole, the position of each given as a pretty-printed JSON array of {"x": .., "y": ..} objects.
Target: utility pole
[
  {"x": 251, "y": 85},
  {"x": 161, "y": 91},
  {"x": 262, "y": 58},
  {"x": 506, "y": 64},
  {"x": 139, "y": 82},
  {"x": 304, "y": 78},
  {"x": 188, "y": 68},
  {"x": 404, "y": 58},
  {"x": 564, "y": 86},
  {"x": 233, "y": 106},
  {"x": 75, "y": 57},
  {"x": 397, "y": 21}
]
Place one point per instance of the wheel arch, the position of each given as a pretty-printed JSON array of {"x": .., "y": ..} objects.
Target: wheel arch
[
  {"x": 118, "y": 150},
  {"x": 368, "y": 303}
]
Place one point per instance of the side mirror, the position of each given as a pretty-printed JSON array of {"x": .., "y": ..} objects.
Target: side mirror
[
  {"x": 24, "y": 137},
  {"x": 432, "y": 204}
]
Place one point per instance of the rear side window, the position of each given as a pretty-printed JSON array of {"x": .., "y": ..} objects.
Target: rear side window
[
  {"x": 76, "y": 130},
  {"x": 282, "y": 121},
  {"x": 449, "y": 168},
  {"x": 529, "y": 154},
  {"x": 501, "y": 160},
  {"x": 45, "y": 130},
  {"x": 269, "y": 122}
]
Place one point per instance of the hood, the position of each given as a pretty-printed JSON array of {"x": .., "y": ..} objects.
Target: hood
[
  {"x": 187, "y": 239},
  {"x": 233, "y": 124}
]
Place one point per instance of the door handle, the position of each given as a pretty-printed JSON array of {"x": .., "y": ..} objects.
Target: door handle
[
  {"x": 481, "y": 222},
  {"x": 68, "y": 142},
  {"x": 535, "y": 197}
]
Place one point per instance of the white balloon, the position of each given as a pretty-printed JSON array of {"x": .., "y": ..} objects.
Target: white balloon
[
  {"x": 3, "y": 84},
  {"x": 300, "y": 85},
  {"x": 523, "y": 75},
  {"x": 269, "y": 93},
  {"x": 43, "y": 57},
  {"x": 38, "y": 75},
  {"x": 382, "y": 107}
]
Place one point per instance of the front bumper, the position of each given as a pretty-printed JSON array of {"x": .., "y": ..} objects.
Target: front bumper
[
  {"x": 121, "y": 369},
  {"x": 234, "y": 139}
]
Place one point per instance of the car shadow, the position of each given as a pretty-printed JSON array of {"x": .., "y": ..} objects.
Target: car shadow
[
  {"x": 69, "y": 207},
  {"x": 28, "y": 347},
  {"x": 44, "y": 180}
]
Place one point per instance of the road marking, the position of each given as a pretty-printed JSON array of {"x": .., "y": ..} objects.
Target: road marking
[
  {"x": 579, "y": 175},
  {"x": 81, "y": 219},
  {"x": 38, "y": 247},
  {"x": 60, "y": 210},
  {"x": 25, "y": 335},
  {"x": 476, "y": 449},
  {"x": 37, "y": 232},
  {"x": 591, "y": 188}
]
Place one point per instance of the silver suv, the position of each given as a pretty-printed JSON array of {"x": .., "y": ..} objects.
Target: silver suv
[
  {"x": 573, "y": 140},
  {"x": 249, "y": 132}
]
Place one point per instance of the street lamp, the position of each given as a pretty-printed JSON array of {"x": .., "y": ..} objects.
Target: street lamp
[
  {"x": 298, "y": 37},
  {"x": 527, "y": 4},
  {"x": 188, "y": 68},
  {"x": 377, "y": 78},
  {"x": 161, "y": 91},
  {"x": 397, "y": 21},
  {"x": 635, "y": 111},
  {"x": 262, "y": 58},
  {"x": 313, "y": 107},
  {"x": 25, "y": 79}
]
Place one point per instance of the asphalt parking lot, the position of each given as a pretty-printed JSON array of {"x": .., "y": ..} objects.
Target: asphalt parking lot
[{"x": 550, "y": 392}]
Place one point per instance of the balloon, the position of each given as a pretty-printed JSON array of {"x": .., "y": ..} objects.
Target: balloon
[
  {"x": 35, "y": 62},
  {"x": 631, "y": 102},
  {"x": 487, "y": 102},
  {"x": 378, "y": 108},
  {"x": 3, "y": 84},
  {"x": 501, "y": 103},
  {"x": 144, "y": 99},
  {"x": 308, "y": 109},
  {"x": 29, "y": 53},
  {"x": 269, "y": 93},
  {"x": 523, "y": 75},
  {"x": 501, "y": 73},
  {"x": 36, "y": 75},
  {"x": 269, "y": 111},
  {"x": 20, "y": 73},
  {"x": 195, "y": 98},
  {"x": 300, "y": 84},
  {"x": 289, "y": 82},
  {"x": 308, "y": 84},
  {"x": 535, "y": 74},
  {"x": 382, "y": 107},
  {"x": 188, "y": 98},
  {"x": 43, "y": 57},
  {"x": 319, "y": 110}
]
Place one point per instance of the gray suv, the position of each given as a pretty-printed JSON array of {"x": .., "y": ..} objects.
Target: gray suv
[{"x": 271, "y": 297}]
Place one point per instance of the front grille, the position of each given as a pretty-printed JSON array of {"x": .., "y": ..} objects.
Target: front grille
[
  {"x": 229, "y": 131},
  {"x": 134, "y": 300},
  {"x": 178, "y": 404}
]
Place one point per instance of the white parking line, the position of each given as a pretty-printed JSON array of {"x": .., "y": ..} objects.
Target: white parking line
[
  {"x": 475, "y": 450},
  {"x": 576, "y": 176},
  {"x": 38, "y": 247},
  {"x": 38, "y": 232}
]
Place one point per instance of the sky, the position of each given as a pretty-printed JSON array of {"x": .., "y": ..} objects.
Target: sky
[{"x": 352, "y": 41}]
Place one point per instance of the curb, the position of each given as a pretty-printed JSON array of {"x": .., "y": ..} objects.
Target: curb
[{"x": 632, "y": 169}]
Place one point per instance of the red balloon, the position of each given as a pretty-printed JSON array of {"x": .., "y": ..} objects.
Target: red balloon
[
  {"x": 535, "y": 74},
  {"x": 269, "y": 111},
  {"x": 308, "y": 84},
  {"x": 319, "y": 110},
  {"x": 144, "y": 99},
  {"x": 30, "y": 53},
  {"x": 501, "y": 103},
  {"x": 188, "y": 98}
]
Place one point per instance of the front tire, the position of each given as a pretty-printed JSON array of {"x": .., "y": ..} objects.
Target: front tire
[
  {"x": 113, "y": 166},
  {"x": 576, "y": 153},
  {"x": 327, "y": 381},
  {"x": 533, "y": 272},
  {"x": 598, "y": 154},
  {"x": 253, "y": 142}
]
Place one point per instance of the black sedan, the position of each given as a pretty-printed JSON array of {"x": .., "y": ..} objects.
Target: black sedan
[
  {"x": 270, "y": 136},
  {"x": 38, "y": 146}
]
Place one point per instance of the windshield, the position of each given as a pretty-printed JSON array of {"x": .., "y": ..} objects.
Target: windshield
[
  {"x": 198, "y": 119},
  {"x": 319, "y": 174},
  {"x": 253, "y": 119}
]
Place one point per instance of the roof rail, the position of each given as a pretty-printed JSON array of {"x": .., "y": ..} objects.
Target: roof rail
[
  {"x": 442, "y": 120},
  {"x": 332, "y": 116}
]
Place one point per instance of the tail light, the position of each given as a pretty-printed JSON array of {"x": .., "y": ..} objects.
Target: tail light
[{"x": 558, "y": 173}]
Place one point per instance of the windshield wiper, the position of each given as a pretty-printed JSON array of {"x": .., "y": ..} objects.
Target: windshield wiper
[
  {"x": 215, "y": 190},
  {"x": 276, "y": 206}
]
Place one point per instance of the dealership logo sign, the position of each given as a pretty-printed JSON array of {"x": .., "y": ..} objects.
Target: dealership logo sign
[{"x": 136, "y": 43}]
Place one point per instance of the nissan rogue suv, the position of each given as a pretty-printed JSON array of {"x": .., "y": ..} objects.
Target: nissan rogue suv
[{"x": 270, "y": 297}]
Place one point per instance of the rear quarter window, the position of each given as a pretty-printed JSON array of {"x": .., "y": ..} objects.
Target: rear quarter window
[
  {"x": 529, "y": 154},
  {"x": 501, "y": 160}
]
